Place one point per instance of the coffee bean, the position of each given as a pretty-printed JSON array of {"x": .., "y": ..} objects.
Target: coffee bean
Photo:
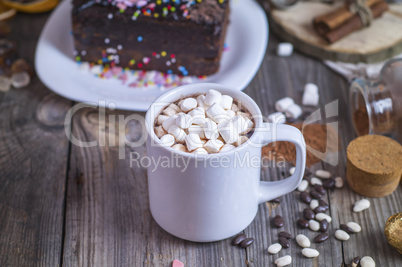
[
  {"x": 305, "y": 197},
  {"x": 276, "y": 200},
  {"x": 278, "y": 221},
  {"x": 307, "y": 173},
  {"x": 320, "y": 209},
  {"x": 308, "y": 214},
  {"x": 284, "y": 242},
  {"x": 285, "y": 235},
  {"x": 321, "y": 237},
  {"x": 238, "y": 239},
  {"x": 247, "y": 242},
  {"x": 320, "y": 189},
  {"x": 347, "y": 229},
  {"x": 328, "y": 183},
  {"x": 324, "y": 204},
  {"x": 302, "y": 223},
  {"x": 324, "y": 225},
  {"x": 315, "y": 194}
]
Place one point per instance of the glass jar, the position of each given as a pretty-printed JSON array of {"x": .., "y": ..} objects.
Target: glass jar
[{"x": 376, "y": 106}]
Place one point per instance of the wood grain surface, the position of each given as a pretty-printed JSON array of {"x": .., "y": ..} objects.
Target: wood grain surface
[{"x": 61, "y": 204}]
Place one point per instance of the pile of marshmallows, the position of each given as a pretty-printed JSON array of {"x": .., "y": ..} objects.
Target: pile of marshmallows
[
  {"x": 286, "y": 107},
  {"x": 209, "y": 123}
]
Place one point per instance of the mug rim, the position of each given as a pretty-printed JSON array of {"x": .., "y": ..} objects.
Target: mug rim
[{"x": 236, "y": 94}]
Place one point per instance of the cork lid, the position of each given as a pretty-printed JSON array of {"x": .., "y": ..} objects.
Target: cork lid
[{"x": 375, "y": 154}]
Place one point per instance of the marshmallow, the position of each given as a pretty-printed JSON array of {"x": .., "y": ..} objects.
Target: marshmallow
[
  {"x": 197, "y": 111},
  {"x": 184, "y": 121},
  {"x": 180, "y": 147},
  {"x": 294, "y": 111},
  {"x": 310, "y": 99},
  {"x": 227, "y": 147},
  {"x": 243, "y": 114},
  {"x": 217, "y": 113},
  {"x": 283, "y": 104},
  {"x": 210, "y": 129},
  {"x": 161, "y": 119},
  {"x": 169, "y": 122},
  {"x": 178, "y": 133},
  {"x": 226, "y": 101},
  {"x": 277, "y": 117},
  {"x": 159, "y": 131},
  {"x": 200, "y": 151},
  {"x": 230, "y": 113},
  {"x": 213, "y": 146},
  {"x": 242, "y": 124},
  {"x": 193, "y": 141},
  {"x": 241, "y": 140},
  {"x": 200, "y": 102},
  {"x": 284, "y": 49},
  {"x": 234, "y": 107},
  {"x": 198, "y": 115},
  {"x": 167, "y": 140},
  {"x": 212, "y": 97},
  {"x": 196, "y": 129},
  {"x": 171, "y": 110},
  {"x": 311, "y": 88},
  {"x": 228, "y": 131},
  {"x": 188, "y": 104}
]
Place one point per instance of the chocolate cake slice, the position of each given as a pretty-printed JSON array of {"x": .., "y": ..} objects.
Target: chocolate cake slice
[{"x": 183, "y": 37}]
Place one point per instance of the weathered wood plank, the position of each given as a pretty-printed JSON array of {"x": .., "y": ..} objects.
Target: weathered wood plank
[
  {"x": 33, "y": 157},
  {"x": 108, "y": 221}
]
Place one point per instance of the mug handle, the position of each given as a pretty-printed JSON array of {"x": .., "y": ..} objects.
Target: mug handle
[{"x": 271, "y": 190}]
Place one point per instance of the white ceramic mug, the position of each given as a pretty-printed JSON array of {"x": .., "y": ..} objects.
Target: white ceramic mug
[{"x": 216, "y": 195}]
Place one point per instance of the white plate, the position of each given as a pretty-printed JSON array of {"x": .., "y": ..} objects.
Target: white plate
[{"x": 247, "y": 38}]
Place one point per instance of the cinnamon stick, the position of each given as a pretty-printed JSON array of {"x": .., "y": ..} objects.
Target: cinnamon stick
[
  {"x": 354, "y": 24},
  {"x": 330, "y": 21}
]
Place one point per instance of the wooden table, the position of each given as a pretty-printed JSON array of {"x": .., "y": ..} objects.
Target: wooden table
[{"x": 61, "y": 204}]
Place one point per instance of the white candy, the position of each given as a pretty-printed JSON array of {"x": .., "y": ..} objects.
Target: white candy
[
  {"x": 338, "y": 182},
  {"x": 169, "y": 122},
  {"x": 210, "y": 129},
  {"x": 311, "y": 88},
  {"x": 196, "y": 129},
  {"x": 294, "y": 111},
  {"x": 178, "y": 133},
  {"x": 193, "y": 142},
  {"x": 242, "y": 124},
  {"x": 321, "y": 216},
  {"x": 314, "y": 204},
  {"x": 277, "y": 117},
  {"x": 161, "y": 119},
  {"x": 159, "y": 131},
  {"x": 361, "y": 205},
  {"x": 342, "y": 235},
  {"x": 20, "y": 79},
  {"x": 354, "y": 226},
  {"x": 200, "y": 151},
  {"x": 310, "y": 253},
  {"x": 217, "y": 113},
  {"x": 226, "y": 102},
  {"x": 292, "y": 170},
  {"x": 212, "y": 97},
  {"x": 282, "y": 104},
  {"x": 323, "y": 174},
  {"x": 227, "y": 147},
  {"x": 314, "y": 225},
  {"x": 283, "y": 261},
  {"x": 315, "y": 180},
  {"x": 184, "y": 121},
  {"x": 230, "y": 113},
  {"x": 274, "y": 248},
  {"x": 310, "y": 99},
  {"x": 367, "y": 261},
  {"x": 284, "y": 49},
  {"x": 303, "y": 241},
  {"x": 241, "y": 140},
  {"x": 179, "y": 147},
  {"x": 303, "y": 186},
  {"x": 188, "y": 104},
  {"x": 200, "y": 102},
  {"x": 228, "y": 132},
  {"x": 213, "y": 146},
  {"x": 167, "y": 140}
]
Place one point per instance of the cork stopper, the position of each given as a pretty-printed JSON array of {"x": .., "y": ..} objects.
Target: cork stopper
[{"x": 374, "y": 165}]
